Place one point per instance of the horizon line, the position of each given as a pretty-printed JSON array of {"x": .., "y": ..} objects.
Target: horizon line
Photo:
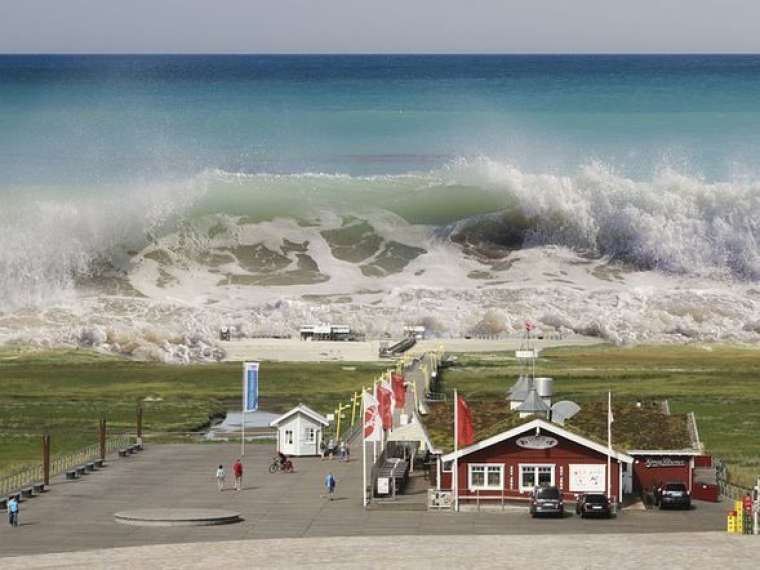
[{"x": 383, "y": 54}]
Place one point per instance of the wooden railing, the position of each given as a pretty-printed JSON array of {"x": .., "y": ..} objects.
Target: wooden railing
[{"x": 28, "y": 474}]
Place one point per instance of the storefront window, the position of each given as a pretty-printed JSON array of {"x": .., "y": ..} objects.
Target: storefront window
[
  {"x": 536, "y": 476},
  {"x": 486, "y": 476},
  {"x": 528, "y": 478}
]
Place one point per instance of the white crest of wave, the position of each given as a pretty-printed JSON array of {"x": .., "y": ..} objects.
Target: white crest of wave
[
  {"x": 45, "y": 244},
  {"x": 673, "y": 222}
]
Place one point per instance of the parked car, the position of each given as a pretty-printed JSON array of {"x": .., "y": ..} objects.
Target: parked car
[
  {"x": 674, "y": 494},
  {"x": 546, "y": 501},
  {"x": 593, "y": 505}
]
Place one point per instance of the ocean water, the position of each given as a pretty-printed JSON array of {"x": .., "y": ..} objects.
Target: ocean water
[{"x": 147, "y": 200}]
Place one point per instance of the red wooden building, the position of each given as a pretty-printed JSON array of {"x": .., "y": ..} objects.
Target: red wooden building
[{"x": 510, "y": 464}]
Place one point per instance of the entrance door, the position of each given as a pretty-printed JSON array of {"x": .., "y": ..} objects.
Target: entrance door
[{"x": 627, "y": 478}]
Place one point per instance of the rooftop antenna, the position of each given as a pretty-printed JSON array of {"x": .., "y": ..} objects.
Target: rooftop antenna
[{"x": 526, "y": 354}]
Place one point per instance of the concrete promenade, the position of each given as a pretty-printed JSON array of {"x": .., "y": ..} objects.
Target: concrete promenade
[
  {"x": 634, "y": 551},
  {"x": 78, "y": 515},
  {"x": 295, "y": 350}
]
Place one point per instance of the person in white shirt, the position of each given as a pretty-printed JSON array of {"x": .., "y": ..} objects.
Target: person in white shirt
[{"x": 220, "y": 478}]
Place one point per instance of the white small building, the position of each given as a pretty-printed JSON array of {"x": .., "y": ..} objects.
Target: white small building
[{"x": 299, "y": 431}]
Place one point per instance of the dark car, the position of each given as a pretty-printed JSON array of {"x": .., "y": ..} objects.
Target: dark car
[
  {"x": 546, "y": 501},
  {"x": 593, "y": 505},
  {"x": 674, "y": 495}
]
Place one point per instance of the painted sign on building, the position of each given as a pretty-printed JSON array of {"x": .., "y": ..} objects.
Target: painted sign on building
[
  {"x": 587, "y": 478},
  {"x": 664, "y": 462},
  {"x": 536, "y": 442}
]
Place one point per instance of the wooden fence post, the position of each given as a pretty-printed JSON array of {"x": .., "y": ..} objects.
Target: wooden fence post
[
  {"x": 46, "y": 459},
  {"x": 102, "y": 438},
  {"x": 139, "y": 422}
]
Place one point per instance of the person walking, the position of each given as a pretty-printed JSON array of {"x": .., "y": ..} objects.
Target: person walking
[
  {"x": 13, "y": 512},
  {"x": 220, "y": 478},
  {"x": 330, "y": 485},
  {"x": 342, "y": 454},
  {"x": 237, "y": 471}
]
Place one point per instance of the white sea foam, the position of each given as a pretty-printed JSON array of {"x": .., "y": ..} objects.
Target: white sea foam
[{"x": 673, "y": 258}]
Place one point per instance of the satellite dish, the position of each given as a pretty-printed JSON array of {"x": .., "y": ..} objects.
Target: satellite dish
[{"x": 563, "y": 411}]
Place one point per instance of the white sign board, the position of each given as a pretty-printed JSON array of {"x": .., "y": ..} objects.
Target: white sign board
[
  {"x": 586, "y": 478},
  {"x": 383, "y": 485},
  {"x": 536, "y": 442},
  {"x": 525, "y": 353}
]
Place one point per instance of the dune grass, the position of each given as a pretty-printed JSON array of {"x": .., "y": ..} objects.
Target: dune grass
[{"x": 66, "y": 392}]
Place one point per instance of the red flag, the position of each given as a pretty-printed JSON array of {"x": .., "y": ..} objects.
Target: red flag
[
  {"x": 371, "y": 418},
  {"x": 384, "y": 397},
  {"x": 399, "y": 389},
  {"x": 465, "y": 432}
]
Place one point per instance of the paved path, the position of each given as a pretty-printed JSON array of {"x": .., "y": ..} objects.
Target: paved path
[
  {"x": 78, "y": 515},
  {"x": 635, "y": 551}
]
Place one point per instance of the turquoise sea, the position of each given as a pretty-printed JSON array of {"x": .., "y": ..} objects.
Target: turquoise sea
[{"x": 650, "y": 162}]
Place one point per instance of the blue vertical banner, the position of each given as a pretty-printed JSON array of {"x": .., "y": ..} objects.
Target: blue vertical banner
[{"x": 250, "y": 386}]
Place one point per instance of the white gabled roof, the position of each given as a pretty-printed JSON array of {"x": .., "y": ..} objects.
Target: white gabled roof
[
  {"x": 543, "y": 425},
  {"x": 303, "y": 409}
]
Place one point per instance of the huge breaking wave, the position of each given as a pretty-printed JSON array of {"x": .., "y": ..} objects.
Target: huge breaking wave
[{"x": 670, "y": 257}]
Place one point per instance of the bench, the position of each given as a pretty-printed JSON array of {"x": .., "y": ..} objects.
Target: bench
[
  {"x": 81, "y": 470},
  {"x": 39, "y": 488},
  {"x": 27, "y": 492},
  {"x": 90, "y": 466},
  {"x": 123, "y": 453},
  {"x": 99, "y": 463},
  {"x": 3, "y": 503},
  {"x": 73, "y": 474},
  {"x": 132, "y": 449}
]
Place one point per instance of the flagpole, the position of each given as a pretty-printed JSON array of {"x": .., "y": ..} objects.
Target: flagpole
[
  {"x": 455, "y": 472},
  {"x": 364, "y": 451},
  {"x": 609, "y": 445},
  {"x": 242, "y": 415}
]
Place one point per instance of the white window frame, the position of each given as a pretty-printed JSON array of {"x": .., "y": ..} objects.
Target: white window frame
[
  {"x": 309, "y": 435},
  {"x": 485, "y": 486},
  {"x": 289, "y": 436},
  {"x": 535, "y": 467},
  {"x": 447, "y": 466}
]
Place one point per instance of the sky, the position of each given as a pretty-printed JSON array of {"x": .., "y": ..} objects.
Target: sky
[{"x": 385, "y": 26}]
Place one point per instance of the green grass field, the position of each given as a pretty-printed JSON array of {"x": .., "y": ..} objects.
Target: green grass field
[{"x": 66, "y": 392}]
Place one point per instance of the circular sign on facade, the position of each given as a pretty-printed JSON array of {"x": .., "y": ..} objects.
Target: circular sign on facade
[{"x": 536, "y": 442}]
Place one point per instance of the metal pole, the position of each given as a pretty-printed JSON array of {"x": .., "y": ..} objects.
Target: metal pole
[
  {"x": 455, "y": 472},
  {"x": 46, "y": 459},
  {"x": 337, "y": 422},
  {"x": 364, "y": 457},
  {"x": 354, "y": 401},
  {"x": 609, "y": 445},
  {"x": 242, "y": 416},
  {"x": 242, "y": 432}
]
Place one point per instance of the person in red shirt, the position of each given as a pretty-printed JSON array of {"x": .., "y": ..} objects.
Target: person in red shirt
[{"x": 237, "y": 470}]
